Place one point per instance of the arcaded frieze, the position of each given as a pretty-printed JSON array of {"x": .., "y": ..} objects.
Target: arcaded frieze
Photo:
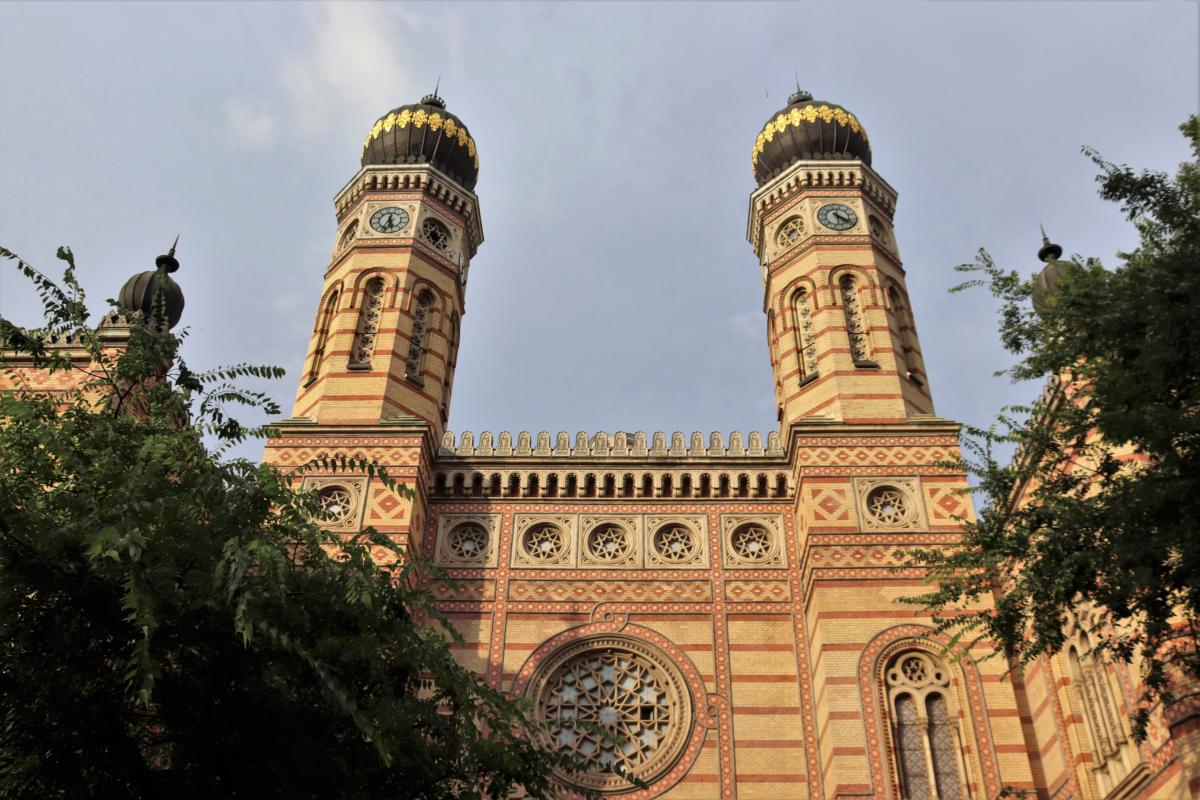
[{"x": 611, "y": 445}]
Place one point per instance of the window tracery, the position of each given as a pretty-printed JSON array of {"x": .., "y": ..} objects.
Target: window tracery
[
  {"x": 544, "y": 542},
  {"x": 417, "y": 346},
  {"x": 336, "y": 503},
  {"x": 790, "y": 233},
  {"x": 348, "y": 236},
  {"x": 752, "y": 543},
  {"x": 368, "y": 324},
  {"x": 1114, "y": 755},
  {"x": 468, "y": 543},
  {"x": 806, "y": 343},
  {"x": 856, "y": 329},
  {"x": 675, "y": 544},
  {"x": 626, "y": 689},
  {"x": 609, "y": 543},
  {"x": 436, "y": 233},
  {"x": 925, "y": 735}
]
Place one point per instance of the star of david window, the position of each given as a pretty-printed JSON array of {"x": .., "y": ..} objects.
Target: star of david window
[
  {"x": 620, "y": 707},
  {"x": 609, "y": 544},
  {"x": 336, "y": 504},
  {"x": 675, "y": 544},
  {"x": 468, "y": 543},
  {"x": 790, "y": 233},
  {"x": 544, "y": 542},
  {"x": 437, "y": 234},
  {"x": 889, "y": 506},
  {"x": 752, "y": 543}
]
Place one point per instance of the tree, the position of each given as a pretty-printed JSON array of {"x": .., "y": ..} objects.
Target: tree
[
  {"x": 173, "y": 624},
  {"x": 1100, "y": 507}
]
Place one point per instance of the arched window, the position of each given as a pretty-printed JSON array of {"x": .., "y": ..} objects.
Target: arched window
[
  {"x": 451, "y": 363},
  {"x": 1113, "y": 754},
  {"x": 925, "y": 734},
  {"x": 324, "y": 321},
  {"x": 348, "y": 235},
  {"x": 436, "y": 233},
  {"x": 368, "y": 325},
  {"x": 418, "y": 344},
  {"x": 806, "y": 343},
  {"x": 856, "y": 328},
  {"x": 901, "y": 317}
]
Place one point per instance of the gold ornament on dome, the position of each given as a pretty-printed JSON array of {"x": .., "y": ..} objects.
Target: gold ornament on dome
[
  {"x": 795, "y": 116},
  {"x": 453, "y": 130}
]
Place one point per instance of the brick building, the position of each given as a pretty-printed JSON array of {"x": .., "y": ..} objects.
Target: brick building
[{"x": 727, "y": 606}]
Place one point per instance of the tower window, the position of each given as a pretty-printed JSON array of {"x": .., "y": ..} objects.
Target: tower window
[
  {"x": 368, "y": 325},
  {"x": 856, "y": 329},
  {"x": 324, "y": 321},
  {"x": 348, "y": 236},
  {"x": 790, "y": 233},
  {"x": 418, "y": 345},
  {"x": 806, "y": 342},
  {"x": 436, "y": 233}
]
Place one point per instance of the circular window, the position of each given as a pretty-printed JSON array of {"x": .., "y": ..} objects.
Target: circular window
[
  {"x": 336, "y": 503},
  {"x": 625, "y": 688},
  {"x": 675, "y": 544},
  {"x": 437, "y": 234},
  {"x": 544, "y": 542},
  {"x": 887, "y": 505},
  {"x": 609, "y": 543},
  {"x": 790, "y": 232},
  {"x": 915, "y": 670},
  {"x": 752, "y": 543},
  {"x": 468, "y": 543}
]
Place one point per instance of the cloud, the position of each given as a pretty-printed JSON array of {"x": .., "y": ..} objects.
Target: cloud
[{"x": 249, "y": 125}]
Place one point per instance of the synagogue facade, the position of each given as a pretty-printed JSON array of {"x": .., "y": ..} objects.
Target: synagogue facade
[{"x": 727, "y": 607}]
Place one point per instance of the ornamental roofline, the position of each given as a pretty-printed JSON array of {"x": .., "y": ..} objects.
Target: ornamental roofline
[{"x": 621, "y": 444}]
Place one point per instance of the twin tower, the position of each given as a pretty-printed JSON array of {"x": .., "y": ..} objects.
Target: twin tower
[
  {"x": 841, "y": 335},
  {"x": 726, "y": 607}
]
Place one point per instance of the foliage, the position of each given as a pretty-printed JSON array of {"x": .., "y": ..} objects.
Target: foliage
[
  {"x": 1101, "y": 506},
  {"x": 174, "y": 624}
]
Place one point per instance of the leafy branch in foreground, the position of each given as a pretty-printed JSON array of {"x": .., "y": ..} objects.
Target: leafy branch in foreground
[
  {"x": 174, "y": 624},
  {"x": 1099, "y": 509}
]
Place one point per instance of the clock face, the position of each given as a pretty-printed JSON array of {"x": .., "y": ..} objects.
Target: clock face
[
  {"x": 389, "y": 220},
  {"x": 836, "y": 216}
]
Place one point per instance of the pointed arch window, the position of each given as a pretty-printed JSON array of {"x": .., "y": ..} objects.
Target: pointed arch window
[
  {"x": 925, "y": 736},
  {"x": 419, "y": 342},
  {"x": 856, "y": 328},
  {"x": 806, "y": 342},
  {"x": 1114, "y": 755},
  {"x": 324, "y": 322},
  {"x": 368, "y": 325}
]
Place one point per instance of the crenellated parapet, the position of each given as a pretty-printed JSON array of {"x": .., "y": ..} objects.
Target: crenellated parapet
[{"x": 610, "y": 445}]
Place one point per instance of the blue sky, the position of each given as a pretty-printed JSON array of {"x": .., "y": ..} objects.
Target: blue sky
[{"x": 615, "y": 289}]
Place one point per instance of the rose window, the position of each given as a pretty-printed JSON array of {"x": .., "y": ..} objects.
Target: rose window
[
  {"x": 609, "y": 543},
  {"x": 436, "y": 234},
  {"x": 790, "y": 232},
  {"x": 468, "y": 543},
  {"x": 675, "y": 544},
  {"x": 619, "y": 707},
  {"x": 752, "y": 543},
  {"x": 336, "y": 503},
  {"x": 544, "y": 542},
  {"x": 889, "y": 506}
]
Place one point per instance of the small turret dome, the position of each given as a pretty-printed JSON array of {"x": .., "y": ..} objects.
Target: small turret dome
[
  {"x": 806, "y": 130},
  {"x": 141, "y": 291},
  {"x": 424, "y": 133}
]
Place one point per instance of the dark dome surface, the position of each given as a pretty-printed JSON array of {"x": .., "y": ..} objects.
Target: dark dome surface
[
  {"x": 424, "y": 133},
  {"x": 808, "y": 130},
  {"x": 140, "y": 292}
]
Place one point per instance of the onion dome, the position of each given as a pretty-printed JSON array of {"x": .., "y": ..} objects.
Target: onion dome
[
  {"x": 140, "y": 293},
  {"x": 808, "y": 130},
  {"x": 424, "y": 133},
  {"x": 1045, "y": 281}
]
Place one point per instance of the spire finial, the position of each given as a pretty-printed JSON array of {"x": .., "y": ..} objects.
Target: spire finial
[
  {"x": 168, "y": 262},
  {"x": 434, "y": 99},
  {"x": 1049, "y": 251},
  {"x": 799, "y": 96}
]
